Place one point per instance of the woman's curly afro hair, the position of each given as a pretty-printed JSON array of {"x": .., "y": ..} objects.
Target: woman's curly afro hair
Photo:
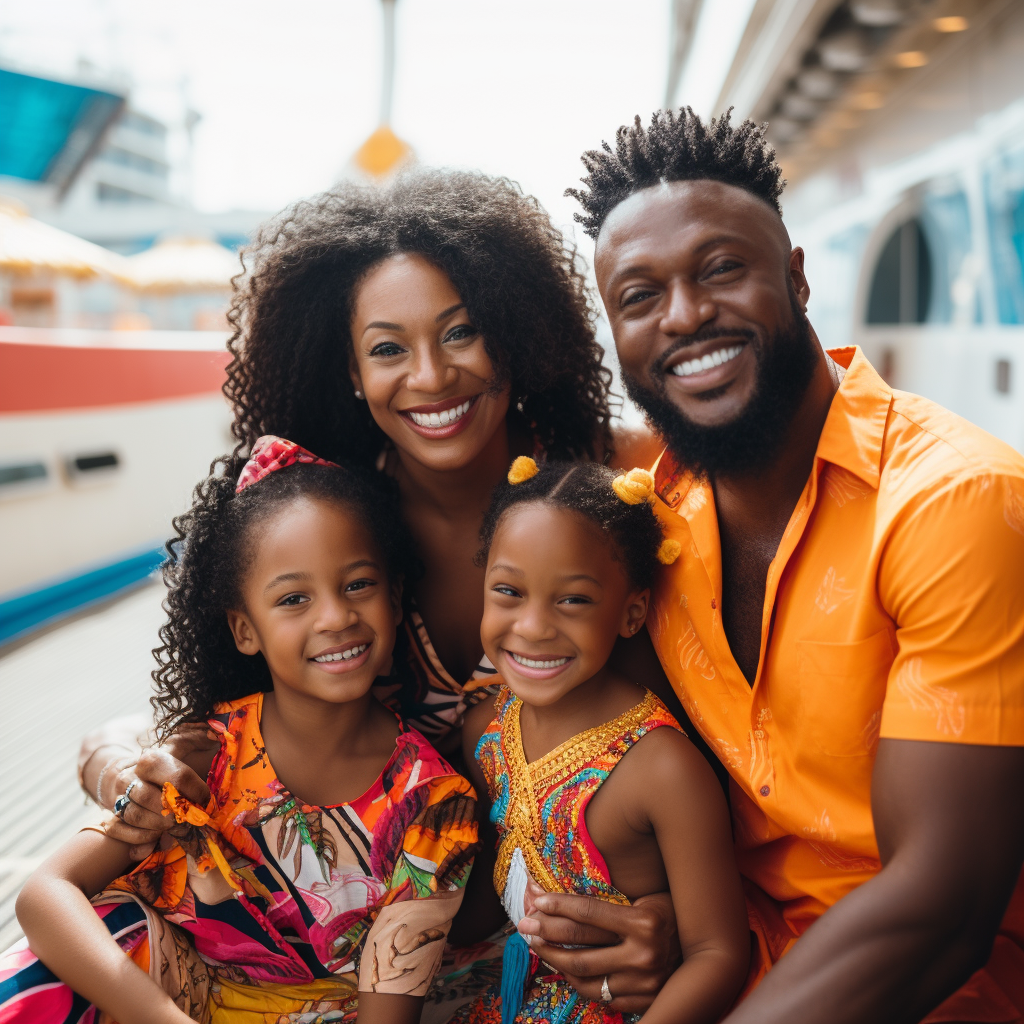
[
  {"x": 521, "y": 281},
  {"x": 215, "y": 542},
  {"x": 586, "y": 489},
  {"x": 677, "y": 146}
]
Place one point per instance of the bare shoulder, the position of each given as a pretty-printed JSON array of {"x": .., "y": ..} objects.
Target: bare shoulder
[
  {"x": 475, "y": 722},
  {"x": 635, "y": 446}
]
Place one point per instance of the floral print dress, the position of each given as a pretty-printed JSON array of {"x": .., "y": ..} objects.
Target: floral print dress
[{"x": 265, "y": 909}]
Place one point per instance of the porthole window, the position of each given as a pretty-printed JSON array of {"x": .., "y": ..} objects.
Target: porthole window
[{"x": 901, "y": 286}]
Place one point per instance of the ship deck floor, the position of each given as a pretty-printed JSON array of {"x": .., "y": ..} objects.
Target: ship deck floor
[{"x": 54, "y": 689}]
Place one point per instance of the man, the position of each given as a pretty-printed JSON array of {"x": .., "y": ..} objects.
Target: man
[{"x": 846, "y": 627}]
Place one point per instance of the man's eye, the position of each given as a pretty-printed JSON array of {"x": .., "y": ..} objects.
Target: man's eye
[
  {"x": 723, "y": 268},
  {"x": 386, "y": 349},
  {"x": 638, "y": 296},
  {"x": 506, "y": 591},
  {"x": 461, "y": 333}
]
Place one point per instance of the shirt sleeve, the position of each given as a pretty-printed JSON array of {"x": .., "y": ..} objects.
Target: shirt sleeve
[
  {"x": 952, "y": 578},
  {"x": 404, "y": 947}
]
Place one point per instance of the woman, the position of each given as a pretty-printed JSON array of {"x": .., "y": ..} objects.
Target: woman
[{"x": 435, "y": 329}]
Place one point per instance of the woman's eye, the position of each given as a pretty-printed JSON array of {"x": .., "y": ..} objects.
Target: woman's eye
[
  {"x": 293, "y": 599},
  {"x": 461, "y": 333},
  {"x": 506, "y": 591},
  {"x": 386, "y": 349}
]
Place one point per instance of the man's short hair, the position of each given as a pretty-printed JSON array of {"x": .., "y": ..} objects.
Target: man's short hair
[{"x": 677, "y": 146}]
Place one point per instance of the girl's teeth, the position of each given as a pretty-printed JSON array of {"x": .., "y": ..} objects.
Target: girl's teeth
[
  {"x": 712, "y": 359},
  {"x": 440, "y": 419},
  {"x": 352, "y": 652},
  {"x": 533, "y": 663}
]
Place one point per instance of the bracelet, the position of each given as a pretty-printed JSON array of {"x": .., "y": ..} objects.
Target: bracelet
[{"x": 122, "y": 762}]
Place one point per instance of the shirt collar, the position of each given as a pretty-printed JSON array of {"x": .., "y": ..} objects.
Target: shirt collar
[{"x": 852, "y": 436}]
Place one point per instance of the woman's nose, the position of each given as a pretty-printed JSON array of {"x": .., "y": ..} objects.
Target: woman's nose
[{"x": 431, "y": 372}]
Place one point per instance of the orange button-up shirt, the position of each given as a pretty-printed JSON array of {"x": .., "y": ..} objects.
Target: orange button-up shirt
[{"x": 894, "y": 608}]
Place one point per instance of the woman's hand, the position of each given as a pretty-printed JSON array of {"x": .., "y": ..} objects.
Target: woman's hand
[
  {"x": 636, "y": 947},
  {"x": 141, "y": 824}
]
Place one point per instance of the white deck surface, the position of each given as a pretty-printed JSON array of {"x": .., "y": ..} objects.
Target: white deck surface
[{"x": 53, "y": 690}]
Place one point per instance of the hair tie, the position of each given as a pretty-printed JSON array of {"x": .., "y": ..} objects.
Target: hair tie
[
  {"x": 635, "y": 486},
  {"x": 271, "y": 453},
  {"x": 522, "y": 469},
  {"x": 669, "y": 551}
]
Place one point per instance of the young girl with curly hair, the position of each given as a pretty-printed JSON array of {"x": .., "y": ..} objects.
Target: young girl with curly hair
[
  {"x": 320, "y": 879},
  {"x": 593, "y": 787}
]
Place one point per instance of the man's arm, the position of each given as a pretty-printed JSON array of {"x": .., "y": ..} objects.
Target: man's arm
[{"x": 950, "y": 828}]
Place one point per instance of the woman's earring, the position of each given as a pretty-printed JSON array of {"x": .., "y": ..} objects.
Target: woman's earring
[
  {"x": 359, "y": 394},
  {"x": 632, "y": 628}
]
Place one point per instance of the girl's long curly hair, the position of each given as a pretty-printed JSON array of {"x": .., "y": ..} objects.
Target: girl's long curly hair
[
  {"x": 199, "y": 665},
  {"x": 522, "y": 283}
]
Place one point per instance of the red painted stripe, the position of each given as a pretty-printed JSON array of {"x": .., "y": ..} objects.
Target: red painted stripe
[{"x": 34, "y": 378}]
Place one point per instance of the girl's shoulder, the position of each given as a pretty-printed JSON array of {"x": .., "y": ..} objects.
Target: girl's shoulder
[{"x": 416, "y": 764}]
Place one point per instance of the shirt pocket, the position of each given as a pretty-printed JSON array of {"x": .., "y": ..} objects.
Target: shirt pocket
[{"x": 841, "y": 691}]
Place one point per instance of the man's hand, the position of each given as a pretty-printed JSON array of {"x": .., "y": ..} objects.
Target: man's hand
[
  {"x": 636, "y": 947},
  {"x": 142, "y": 823}
]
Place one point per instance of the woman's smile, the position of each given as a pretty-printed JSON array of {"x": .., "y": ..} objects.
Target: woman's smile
[{"x": 442, "y": 419}]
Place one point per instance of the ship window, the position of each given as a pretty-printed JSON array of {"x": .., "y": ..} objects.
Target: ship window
[
  {"x": 901, "y": 286},
  {"x": 91, "y": 463},
  {"x": 22, "y": 472}
]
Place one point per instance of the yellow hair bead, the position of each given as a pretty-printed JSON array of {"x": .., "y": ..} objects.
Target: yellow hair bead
[
  {"x": 635, "y": 486},
  {"x": 522, "y": 469},
  {"x": 669, "y": 551}
]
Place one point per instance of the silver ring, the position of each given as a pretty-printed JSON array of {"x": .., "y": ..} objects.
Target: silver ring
[
  {"x": 128, "y": 791},
  {"x": 606, "y": 992},
  {"x": 120, "y": 805}
]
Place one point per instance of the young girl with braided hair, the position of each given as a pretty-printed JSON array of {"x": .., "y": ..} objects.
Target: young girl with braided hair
[
  {"x": 593, "y": 787},
  {"x": 320, "y": 880}
]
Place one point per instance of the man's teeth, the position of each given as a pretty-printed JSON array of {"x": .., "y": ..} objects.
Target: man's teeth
[
  {"x": 533, "y": 663},
  {"x": 716, "y": 358},
  {"x": 352, "y": 652},
  {"x": 440, "y": 419}
]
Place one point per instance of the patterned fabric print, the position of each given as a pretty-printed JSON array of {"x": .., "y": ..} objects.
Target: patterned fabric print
[
  {"x": 421, "y": 690},
  {"x": 291, "y": 907},
  {"x": 539, "y": 809}
]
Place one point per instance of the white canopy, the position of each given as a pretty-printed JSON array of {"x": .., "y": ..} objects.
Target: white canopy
[{"x": 184, "y": 264}]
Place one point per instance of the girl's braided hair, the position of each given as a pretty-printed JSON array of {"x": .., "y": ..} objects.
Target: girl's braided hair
[
  {"x": 619, "y": 505},
  {"x": 199, "y": 665},
  {"x": 522, "y": 282}
]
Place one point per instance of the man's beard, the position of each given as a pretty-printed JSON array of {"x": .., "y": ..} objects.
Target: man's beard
[{"x": 751, "y": 440}]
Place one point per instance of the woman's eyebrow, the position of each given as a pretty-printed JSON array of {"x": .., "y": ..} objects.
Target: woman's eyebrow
[
  {"x": 448, "y": 312},
  {"x": 384, "y": 326}
]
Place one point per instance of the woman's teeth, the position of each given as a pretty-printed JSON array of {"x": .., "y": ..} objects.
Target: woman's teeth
[
  {"x": 716, "y": 358},
  {"x": 352, "y": 652},
  {"x": 440, "y": 419},
  {"x": 533, "y": 663}
]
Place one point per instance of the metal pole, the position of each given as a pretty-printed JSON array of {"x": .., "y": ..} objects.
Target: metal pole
[{"x": 388, "y": 80}]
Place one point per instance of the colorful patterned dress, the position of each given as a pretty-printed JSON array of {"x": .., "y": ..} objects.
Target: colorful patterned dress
[
  {"x": 263, "y": 910},
  {"x": 539, "y": 812}
]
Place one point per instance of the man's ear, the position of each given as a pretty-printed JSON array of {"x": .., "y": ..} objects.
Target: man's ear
[
  {"x": 801, "y": 288},
  {"x": 635, "y": 614},
  {"x": 242, "y": 630}
]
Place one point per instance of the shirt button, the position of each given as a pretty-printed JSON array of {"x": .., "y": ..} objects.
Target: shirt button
[{"x": 765, "y": 790}]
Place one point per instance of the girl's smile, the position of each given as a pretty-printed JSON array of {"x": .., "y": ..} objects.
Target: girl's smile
[{"x": 538, "y": 667}]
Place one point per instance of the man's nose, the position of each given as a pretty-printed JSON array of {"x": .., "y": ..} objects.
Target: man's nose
[
  {"x": 432, "y": 371},
  {"x": 687, "y": 309}
]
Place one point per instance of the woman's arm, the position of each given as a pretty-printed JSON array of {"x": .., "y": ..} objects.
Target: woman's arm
[
  {"x": 481, "y": 913},
  {"x": 112, "y": 758},
  {"x": 67, "y": 935},
  {"x": 381, "y": 1008}
]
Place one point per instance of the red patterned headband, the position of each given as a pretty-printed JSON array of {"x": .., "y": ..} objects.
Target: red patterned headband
[{"x": 270, "y": 453}]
